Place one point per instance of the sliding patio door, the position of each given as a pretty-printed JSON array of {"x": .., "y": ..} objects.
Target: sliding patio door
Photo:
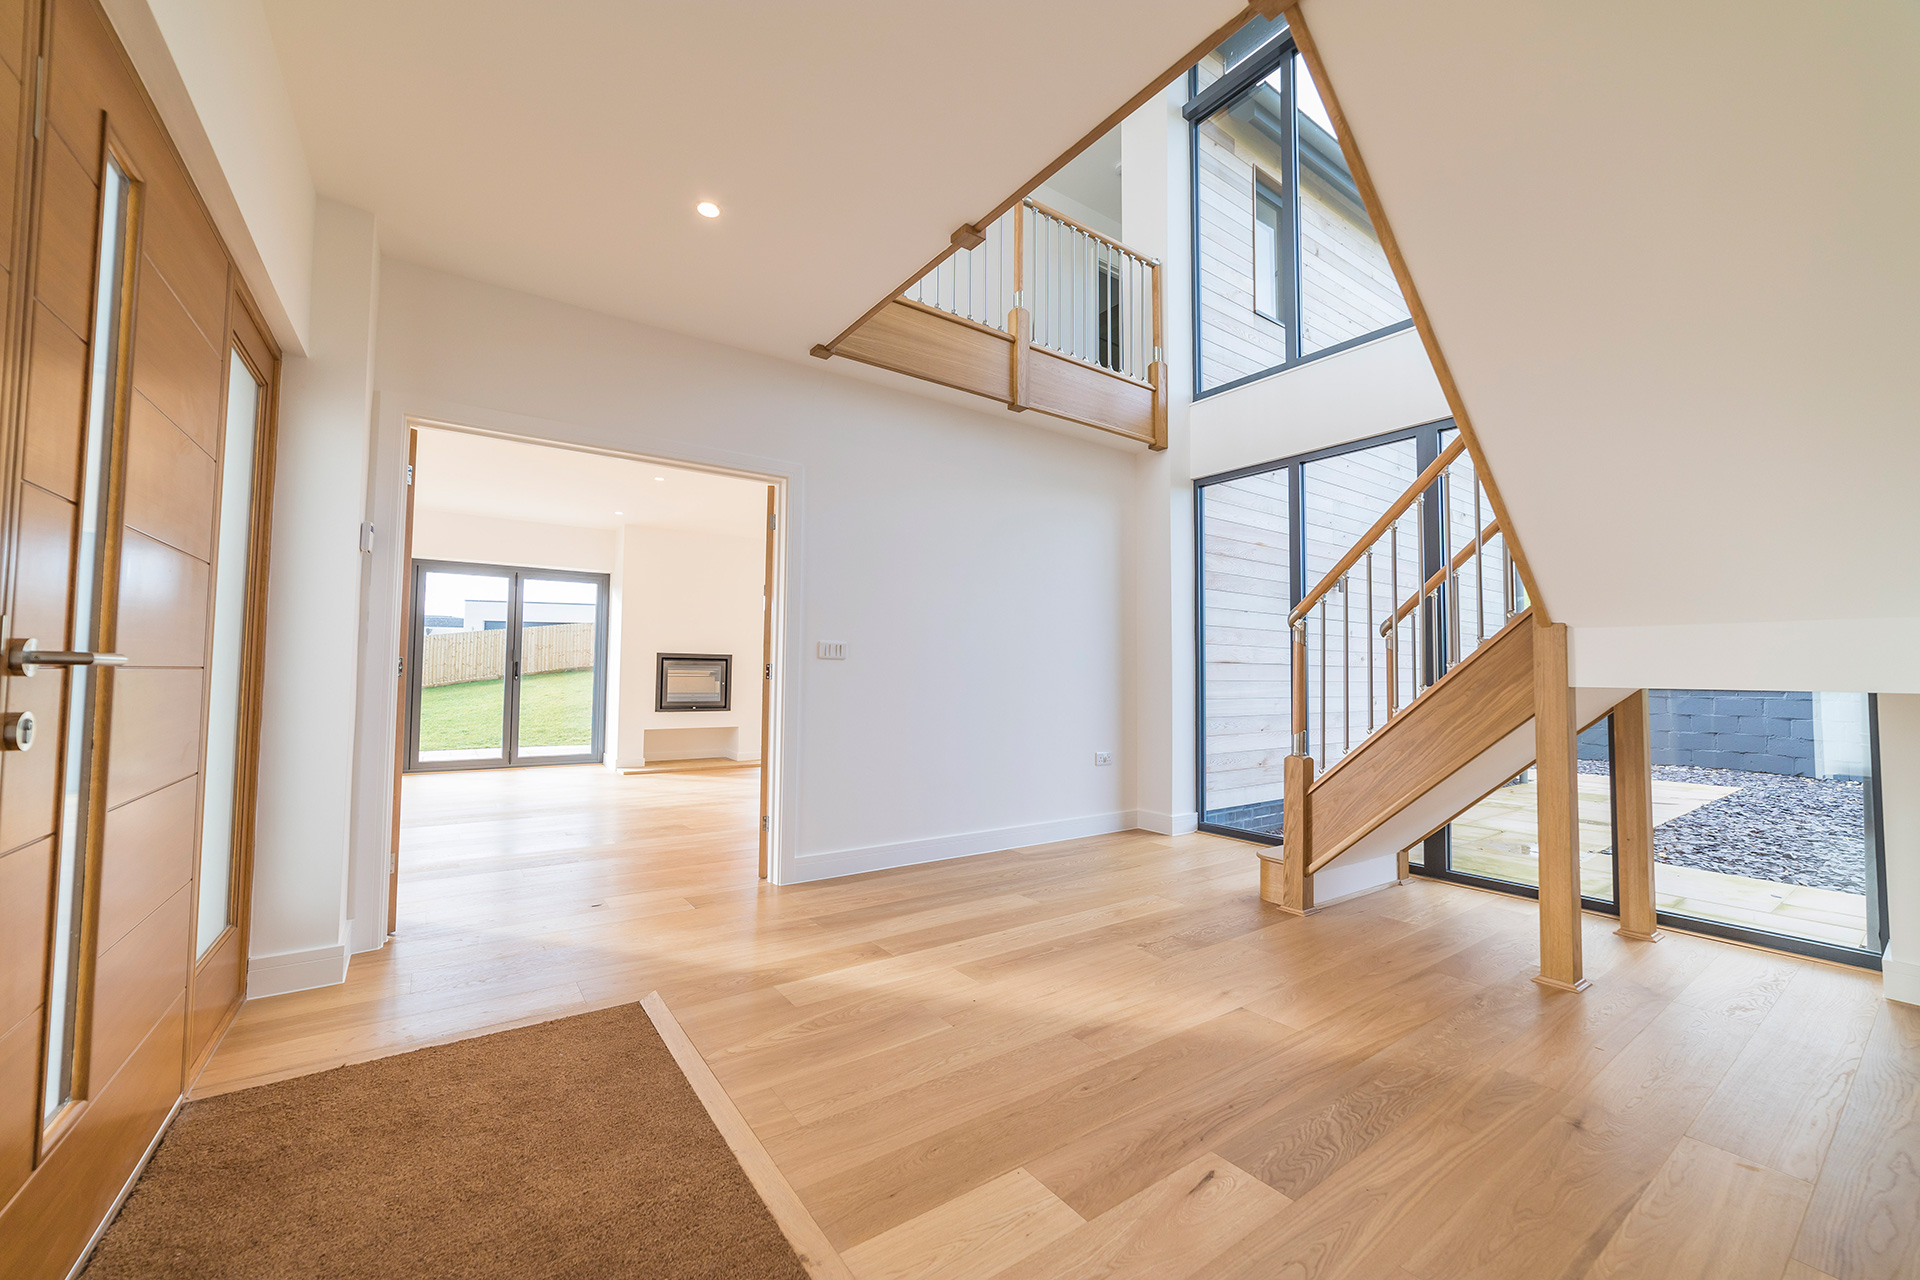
[{"x": 507, "y": 666}]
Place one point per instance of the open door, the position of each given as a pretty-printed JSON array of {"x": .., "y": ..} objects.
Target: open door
[{"x": 766, "y": 692}]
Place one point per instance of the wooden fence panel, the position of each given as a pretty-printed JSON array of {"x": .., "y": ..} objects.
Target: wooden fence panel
[{"x": 456, "y": 657}]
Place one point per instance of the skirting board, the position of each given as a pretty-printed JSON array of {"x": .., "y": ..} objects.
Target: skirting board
[
  {"x": 1899, "y": 976},
  {"x": 296, "y": 971},
  {"x": 908, "y": 853},
  {"x": 1166, "y": 824}
]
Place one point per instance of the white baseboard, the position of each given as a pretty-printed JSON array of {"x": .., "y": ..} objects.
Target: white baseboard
[
  {"x": 908, "y": 853},
  {"x": 1900, "y": 978},
  {"x": 367, "y": 935},
  {"x": 296, "y": 971},
  {"x": 1166, "y": 824}
]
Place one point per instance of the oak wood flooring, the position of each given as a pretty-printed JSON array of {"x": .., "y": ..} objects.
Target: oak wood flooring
[{"x": 1106, "y": 1057}]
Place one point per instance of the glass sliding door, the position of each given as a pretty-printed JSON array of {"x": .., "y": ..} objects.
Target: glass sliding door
[
  {"x": 559, "y": 668},
  {"x": 508, "y": 667}
]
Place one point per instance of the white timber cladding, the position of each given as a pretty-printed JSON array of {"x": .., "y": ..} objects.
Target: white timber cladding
[
  {"x": 1246, "y": 593},
  {"x": 1347, "y": 289}
]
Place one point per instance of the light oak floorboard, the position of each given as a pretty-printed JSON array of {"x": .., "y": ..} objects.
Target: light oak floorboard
[{"x": 1028, "y": 1063}]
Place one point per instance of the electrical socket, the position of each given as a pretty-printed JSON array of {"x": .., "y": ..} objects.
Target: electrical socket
[{"x": 1103, "y": 757}]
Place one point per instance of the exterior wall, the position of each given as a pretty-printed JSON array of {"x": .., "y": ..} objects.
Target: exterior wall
[{"x": 1759, "y": 732}]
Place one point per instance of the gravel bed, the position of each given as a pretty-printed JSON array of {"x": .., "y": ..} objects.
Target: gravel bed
[{"x": 1804, "y": 831}]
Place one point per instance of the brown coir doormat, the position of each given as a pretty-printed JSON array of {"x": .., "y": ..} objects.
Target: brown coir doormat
[{"x": 572, "y": 1148}]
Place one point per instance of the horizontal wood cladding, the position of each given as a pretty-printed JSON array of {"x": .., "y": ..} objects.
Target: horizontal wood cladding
[
  {"x": 137, "y": 979},
  {"x": 171, "y": 482},
  {"x": 929, "y": 344},
  {"x": 46, "y": 1225},
  {"x": 56, "y": 405},
  {"x": 163, "y": 604},
  {"x": 157, "y": 718},
  {"x": 1475, "y": 705},
  {"x": 146, "y": 854},
  {"x": 174, "y": 366},
  {"x": 19, "y": 1077},
  {"x": 24, "y": 876}
]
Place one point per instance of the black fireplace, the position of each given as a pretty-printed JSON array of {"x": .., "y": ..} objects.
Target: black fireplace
[{"x": 695, "y": 682}]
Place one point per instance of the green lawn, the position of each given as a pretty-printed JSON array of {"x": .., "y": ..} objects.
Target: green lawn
[{"x": 556, "y": 710}]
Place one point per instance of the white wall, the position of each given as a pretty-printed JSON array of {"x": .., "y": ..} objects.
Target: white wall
[
  {"x": 307, "y": 734},
  {"x": 971, "y": 564},
  {"x": 688, "y": 593},
  {"x": 214, "y": 74},
  {"x": 1697, "y": 395},
  {"x": 462, "y": 535},
  {"x": 1378, "y": 387}
]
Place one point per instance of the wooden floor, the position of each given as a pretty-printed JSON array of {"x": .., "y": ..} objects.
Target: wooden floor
[{"x": 1108, "y": 1058}]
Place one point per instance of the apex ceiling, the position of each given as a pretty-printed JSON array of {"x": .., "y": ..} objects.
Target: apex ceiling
[{"x": 560, "y": 148}]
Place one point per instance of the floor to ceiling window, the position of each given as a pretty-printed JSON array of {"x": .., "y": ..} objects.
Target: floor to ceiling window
[
  {"x": 1267, "y": 534},
  {"x": 1287, "y": 265}
]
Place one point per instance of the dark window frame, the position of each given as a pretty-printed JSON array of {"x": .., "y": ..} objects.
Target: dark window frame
[
  {"x": 1437, "y": 850},
  {"x": 510, "y": 693},
  {"x": 1275, "y": 55}
]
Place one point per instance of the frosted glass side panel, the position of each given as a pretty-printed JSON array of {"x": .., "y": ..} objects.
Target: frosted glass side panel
[{"x": 229, "y": 654}]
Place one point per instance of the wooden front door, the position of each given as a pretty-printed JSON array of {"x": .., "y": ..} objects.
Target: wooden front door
[{"x": 127, "y": 335}]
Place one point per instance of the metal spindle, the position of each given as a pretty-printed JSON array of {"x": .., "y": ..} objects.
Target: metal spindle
[
  {"x": 1479, "y": 568},
  {"x": 1393, "y": 613},
  {"x": 1506, "y": 576},
  {"x": 1346, "y": 663},
  {"x": 1322, "y": 609},
  {"x": 1367, "y": 622},
  {"x": 1451, "y": 616}
]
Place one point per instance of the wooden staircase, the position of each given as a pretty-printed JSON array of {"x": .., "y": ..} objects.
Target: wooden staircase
[{"x": 1464, "y": 665}]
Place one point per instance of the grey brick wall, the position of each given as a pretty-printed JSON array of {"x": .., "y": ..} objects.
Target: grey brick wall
[
  {"x": 1759, "y": 732},
  {"x": 1263, "y": 817}
]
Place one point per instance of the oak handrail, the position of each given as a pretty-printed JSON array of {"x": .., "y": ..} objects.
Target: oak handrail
[
  {"x": 1393, "y": 512},
  {"x": 1460, "y": 557}
]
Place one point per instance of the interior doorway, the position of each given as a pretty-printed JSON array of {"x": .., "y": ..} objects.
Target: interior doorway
[
  {"x": 507, "y": 666},
  {"x": 594, "y": 630}
]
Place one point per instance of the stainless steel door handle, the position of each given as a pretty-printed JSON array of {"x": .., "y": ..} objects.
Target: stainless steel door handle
[{"x": 24, "y": 657}]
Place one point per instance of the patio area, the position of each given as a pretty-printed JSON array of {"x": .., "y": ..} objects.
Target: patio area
[{"x": 1496, "y": 838}]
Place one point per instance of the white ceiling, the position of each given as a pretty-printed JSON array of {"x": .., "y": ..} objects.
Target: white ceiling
[
  {"x": 1672, "y": 253},
  {"x": 507, "y": 479},
  {"x": 560, "y": 148}
]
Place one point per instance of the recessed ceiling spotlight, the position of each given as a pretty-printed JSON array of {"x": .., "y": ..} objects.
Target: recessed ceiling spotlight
[
  {"x": 707, "y": 209},
  {"x": 619, "y": 513},
  {"x": 660, "y": 478}
]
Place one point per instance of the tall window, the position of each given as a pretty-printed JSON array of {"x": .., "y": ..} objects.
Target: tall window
[{"x": 1287, "y": 265}]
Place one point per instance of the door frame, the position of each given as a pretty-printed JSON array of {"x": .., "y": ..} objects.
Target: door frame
[
  {"x": 249, "y": 338},
  {"x": 510, "y": 701}
]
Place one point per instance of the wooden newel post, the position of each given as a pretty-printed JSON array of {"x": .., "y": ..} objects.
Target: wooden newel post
[
  {"x": 1286, "y": 883},
  {"x": 1633, "y": 816},
  {"x": 1557, "y": 810}
]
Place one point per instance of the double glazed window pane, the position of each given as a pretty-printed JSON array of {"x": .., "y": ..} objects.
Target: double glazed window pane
[
  {"x": 1245, "y": 595},
  {"x": 1287, "y": 262},
  {"x": 1347, "y": 289},
  {"x": 558, "y": 628},
  {"x": 463, "y": 668}
]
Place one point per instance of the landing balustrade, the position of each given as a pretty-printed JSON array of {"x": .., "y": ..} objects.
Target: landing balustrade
[{"x": 1040, "y": 312}]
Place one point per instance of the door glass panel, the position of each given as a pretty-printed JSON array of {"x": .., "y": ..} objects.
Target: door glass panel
[
  {"x": 1245, "y": 592},
  {"x": 95, "y": 548},
  {"x": 1499, "y": 838},
  {"x": 559, "y": 626},
  {"x": 229, "y": 644},
  {"x": 1760, "y": 809},
  {"x": 463, "y": 656},
  {"x": 1347, "y": 289},
  {"x": 1343, "y": 496}
]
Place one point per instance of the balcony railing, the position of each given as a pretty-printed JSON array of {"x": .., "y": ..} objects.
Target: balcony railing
[{"x": 1038, "y": 311}]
